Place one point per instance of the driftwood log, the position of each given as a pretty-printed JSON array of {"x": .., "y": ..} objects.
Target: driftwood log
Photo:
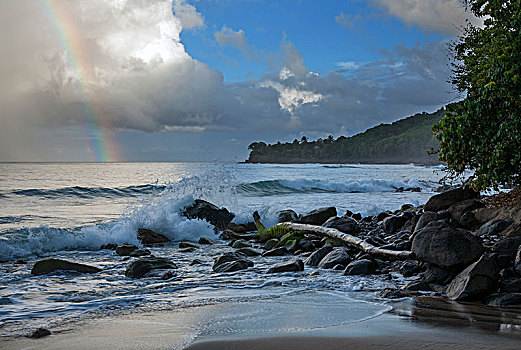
[{"x": 349, "y": 240}]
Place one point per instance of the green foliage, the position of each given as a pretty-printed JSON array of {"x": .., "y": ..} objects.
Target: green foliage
[
  {"x": 404, "y": 141},
  {"x": 483, "y": 132}
]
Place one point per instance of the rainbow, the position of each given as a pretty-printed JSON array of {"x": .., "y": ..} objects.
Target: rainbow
[{"x": 102, "y": 144}]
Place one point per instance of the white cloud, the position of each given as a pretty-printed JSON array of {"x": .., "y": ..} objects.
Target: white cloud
[
  {"x": 187, "y": 14},
  {"x": 230, "y": 37},
  {"x": 444, "y": 16}
]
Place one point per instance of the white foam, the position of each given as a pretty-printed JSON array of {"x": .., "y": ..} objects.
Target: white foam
[{"x": 364, "y": 185}]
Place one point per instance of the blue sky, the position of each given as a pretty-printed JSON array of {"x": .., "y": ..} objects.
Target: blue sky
[{"x": 199, "y": 80}]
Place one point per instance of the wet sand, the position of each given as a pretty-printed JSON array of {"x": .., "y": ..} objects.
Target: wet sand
[{"x": 426, "y": 324}]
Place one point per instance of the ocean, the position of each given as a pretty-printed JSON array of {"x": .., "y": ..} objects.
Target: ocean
[{"x": 68, "y": 210}]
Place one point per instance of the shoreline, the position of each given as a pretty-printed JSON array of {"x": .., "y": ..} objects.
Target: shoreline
[{"x": 177, "y": 330}]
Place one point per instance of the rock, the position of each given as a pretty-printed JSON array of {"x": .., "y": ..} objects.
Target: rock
[
  {"x": 444, "y": 245},
  {"x": 230, "y": 257},
  {"x": 458, "y": 210},
  {"x": 517, "y": 262},
  {"x": 356, "y": 216},
  {"x": 249, "y": 251},
  {"x": 410, "y": 267},
  {"x": 306, "y": 246},
  {"x": 445, "y": 199},
  {"x": 506, "y": 300},
  {"x": 348, "y": 213},
  {"x": 394, "y": 223},
  {"x": 187, "y": 250},
  {"x": 510, "y": 285},
  {"x": 360, "y": 267},
  {"x": 382, "y": 216},
  {"x": 204, "y": 240},
  {"x": 391, "y": 293},
  {"x": 125, "y": 249},
  {"x": 140, "y": 252},
  {"x": 40, "y": 333},
  {"x": 318, "y": 216},
  {"x": 507, "y": 246},
  {"x": 108, "y": 246},
  {"x": 493, "y": 227},
  {"x": 476, "y": 281},
  {"x": 241, "y": 243},
  {"x": 344, "y": 224},
  {"x": 287, "y": 266},
  {"x": 183, "y": 245},
  {"x": 201, "y": 209},
  {"x": 196, "y": 262},
  {"x": 276, "y": 252},
  {"x": 232, "y": 266},
  {"x": 270, "y": 244},
  {"x": 149, "y": 237},
  {"x": 287, "y": 215},
  {"x": 339, "y": 267},
  {"x": 437, "y": 274},
  {"x": 416, "y": 286},
  {"x": 168, "y": 275},
  {"x": 291, "y": 245},
  {"x": 45, "y": 266},
  {"x": 319, "y": 254},
  {"x": 336, "y": 256},
  {"x": 138, "y": 268}
]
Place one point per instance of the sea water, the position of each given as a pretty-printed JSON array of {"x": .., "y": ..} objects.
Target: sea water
[{"x": 68, "y": 210}]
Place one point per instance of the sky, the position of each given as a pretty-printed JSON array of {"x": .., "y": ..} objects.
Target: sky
[{"x": 199, "y": 80}]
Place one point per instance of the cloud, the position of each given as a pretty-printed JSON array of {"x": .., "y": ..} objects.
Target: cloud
[
  {"x": 345, "y": 20},
  {"x": 443, "y": 16},
  {"x": 187, "y": 14},
  {"x": 123, "y": 67}
]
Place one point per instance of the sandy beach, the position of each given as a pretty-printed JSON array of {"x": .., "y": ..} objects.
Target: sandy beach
[{"x": 472, "y": 327}]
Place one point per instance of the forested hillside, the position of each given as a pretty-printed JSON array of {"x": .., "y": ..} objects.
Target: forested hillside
[{"x": 404, "y": 141}]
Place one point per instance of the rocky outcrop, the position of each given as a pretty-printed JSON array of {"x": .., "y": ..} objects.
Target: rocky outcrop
[
  {"x": 446, "y": 199},
  {"x": 149, "y": 237},
  {"x": 232, "y": 266},
  {"x": 360, "y": 267},
  {"x": 394, "y": 223},
  {"x": 231, "y": 257},
  {"x": 287, "y": 215},
  {"x": 461, "y": 212},
  {"x": 125, "y": 249},
  {"x": 317, "y": 256},
  {"x": 287, "y": 266},
  {"x": 276, "y": 252},
  {"x": 344, "y": 224},
  {"x": 476, "y": 281},
  {"x": 444, "y": 245},
  {"x": 318, "y": 216},
  {"x": 46, "y": 266},
  {"x": 201, "y": 209},
  {"x": 138, "y": 268},
  {"x": 336, "y": 256}
]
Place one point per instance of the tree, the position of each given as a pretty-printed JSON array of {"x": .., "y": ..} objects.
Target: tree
[{"x": 482, "y": 133}]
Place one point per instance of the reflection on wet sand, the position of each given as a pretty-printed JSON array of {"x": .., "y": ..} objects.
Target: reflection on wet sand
[{"x": 441, "y": 312}]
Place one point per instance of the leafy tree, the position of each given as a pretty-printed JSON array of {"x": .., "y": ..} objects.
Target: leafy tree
[{"x": 483, "y": 132}]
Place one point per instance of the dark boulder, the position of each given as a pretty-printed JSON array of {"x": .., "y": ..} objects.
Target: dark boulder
[
  {"x": 108, "y": 246},
  {"x": 493, "y": 227},
  {"x": 517, "y": 262},
  {"x": 336, "y": 256},
  {"x": 510, "y": 285},
  {"x": 356, "y": 216},
  {"x": 204, "y": 240},
  {"x": 507, "y": 246},
  {"x": 344, "y": 224},
  {"x": 445, "y": 199},
  {"x": 249, "y": 251},
  {"x": 394, "y": 223},
  {"x": 318, "y": 216},
  {"x": 476, "y": 281},
  {"x": 319, "y": 254},
  {"x": 410, "y": 267},
  {"x": 287, "y": 266},
  {"x": 417, "y": 286},
  {"x": 168, "y": 275},
  {"x": 125, "y": 249},
  {"x": 361, "y": 267},
  {"x": 45, "y": 266},
  {"x": 382, "y": 216},
  {"x": 437, "y": 274},
  {"x": 241, "y": 243},
  {"x": 444, "y": 245},
  {"x": 40, "y": 333},
  {"x": 184, "y": 245},
  {"x": 138, "y": 268},
  {"x": 270, "y": 244},
  {"x": 149, "y": 237},
  {"x": 140, "y": 252},
  {"x": 276, "y": 252},
  {"x": 230, "y": 257},
  {"x": 459, "y": 212},
  {"x": 287, "y": 215},
  {"x": 201, "y": 209},
  {"x": 232, "y": 266}
]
